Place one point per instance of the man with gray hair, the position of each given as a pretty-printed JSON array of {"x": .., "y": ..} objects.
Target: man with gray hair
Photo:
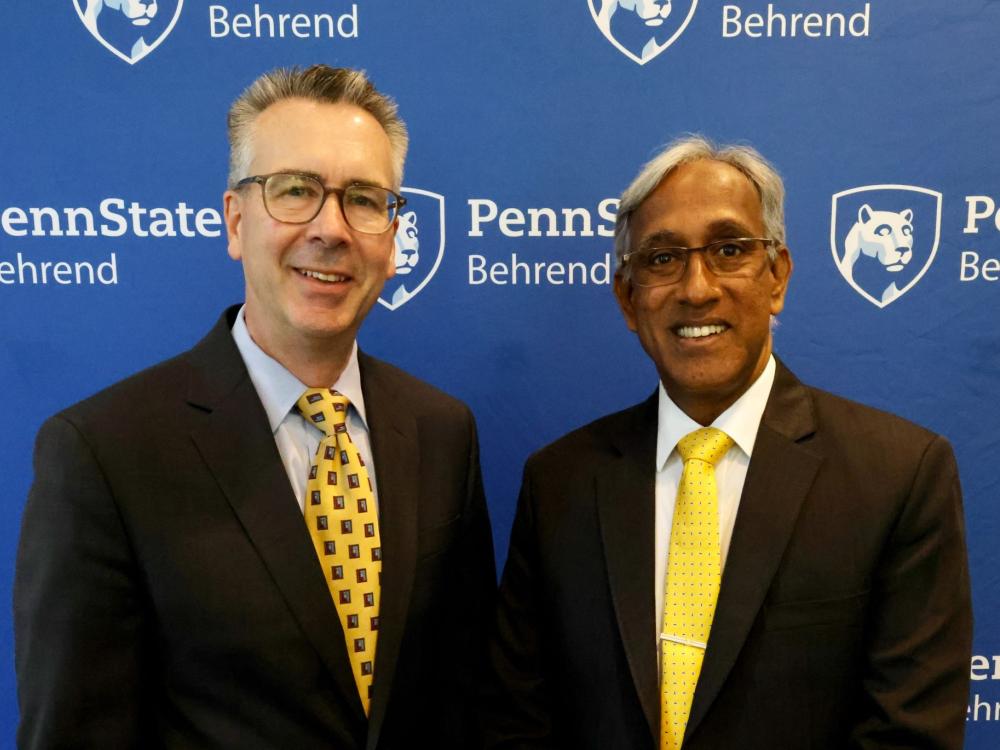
[
  {"x": 741, "y": 561},
  {"x": 273, "y": 540}
]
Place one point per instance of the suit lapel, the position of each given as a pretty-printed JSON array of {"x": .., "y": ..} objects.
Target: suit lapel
[
  {"x": 626, "y": 513},
  {"x": 395, "y": 448},
  {"x": 237, "y": 445},
  {"x": 781, "y": 472}
]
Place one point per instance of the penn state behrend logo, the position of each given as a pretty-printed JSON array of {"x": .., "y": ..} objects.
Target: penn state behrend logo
[
  {"x": 419, "y": 247},
  {"x": 642, "y": 29},
  {"x": 130, "y": 29},
  {"x": 884, "y": 238}
]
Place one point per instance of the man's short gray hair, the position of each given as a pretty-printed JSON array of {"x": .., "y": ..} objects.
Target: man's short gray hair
[
  {"x": 319, "y": 83},
  {"x": 691, "y": 148}
]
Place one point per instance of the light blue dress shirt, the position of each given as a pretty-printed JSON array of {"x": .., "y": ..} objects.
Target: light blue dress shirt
[{"x": 296, "y": 438}]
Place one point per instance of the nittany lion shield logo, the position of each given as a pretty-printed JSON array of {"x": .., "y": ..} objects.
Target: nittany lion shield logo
[
  {"x": 642, "y": 29},
  {"x": 130, "y": 29},
  {"x": 884, "y": 238},
  {"x": 419, "y": 246}
]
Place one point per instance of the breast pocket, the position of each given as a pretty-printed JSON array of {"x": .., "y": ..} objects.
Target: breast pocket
[
  {"x": 435, "y": 539},
  {"x": 795, "y": 615}
]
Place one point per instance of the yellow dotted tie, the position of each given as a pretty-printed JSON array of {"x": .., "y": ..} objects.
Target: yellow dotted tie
[
  {"x": 694, "y": 571},
  {"x": 341, "y": 517}
]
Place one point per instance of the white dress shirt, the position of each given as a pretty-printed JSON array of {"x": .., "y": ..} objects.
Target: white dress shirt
[
  {"x": 296, "y": 437},
  {"x": 740, "y": 421}
]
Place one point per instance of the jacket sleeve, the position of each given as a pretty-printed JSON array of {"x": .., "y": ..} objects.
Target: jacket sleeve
[
  {"x": 516, "y": 705},
  {"x": 475, "y": 601},
  {"x": 919, "y": 634},
  {"x": 78, "y": 605}
]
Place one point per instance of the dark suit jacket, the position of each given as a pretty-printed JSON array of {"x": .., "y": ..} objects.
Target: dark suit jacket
[
  {"x": 843, "y": 618},
  {"x": 168, "y": 595}
]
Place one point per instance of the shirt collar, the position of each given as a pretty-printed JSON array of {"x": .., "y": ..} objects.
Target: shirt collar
[
  {"x": 278, "y": 389},
  {"x": 740, "y": 421}
]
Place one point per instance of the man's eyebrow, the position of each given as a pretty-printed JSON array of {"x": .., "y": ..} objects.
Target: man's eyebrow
[
  {"x": 366, "y": 183},
  {"x": 301, "y": 172},
  {"x": 727, "y": 228},
  {"x": 720, "y": 229},
  {"x": 662, "y": 238},
  {"x": 319, "y": 178}
]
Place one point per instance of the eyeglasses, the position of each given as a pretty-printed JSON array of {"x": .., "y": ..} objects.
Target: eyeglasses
[
  {"x": 732, "y": 258},
  {"x": 297, "y": 198}
]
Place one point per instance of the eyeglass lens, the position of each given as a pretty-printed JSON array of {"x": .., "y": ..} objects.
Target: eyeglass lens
[
  {"x": 730, "y": 257},
  {"x": 299, "y": 198}
]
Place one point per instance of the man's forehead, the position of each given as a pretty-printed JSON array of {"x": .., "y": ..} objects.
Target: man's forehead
[
  {"x": 711, "y": 196},
  {"x": 299, "y": 112},
  {"x": 721, "y": 178},
  {"x": 304, "y": 135},
  {"x": 719, "y": 229},
  {"x": 701, "y": 181}
]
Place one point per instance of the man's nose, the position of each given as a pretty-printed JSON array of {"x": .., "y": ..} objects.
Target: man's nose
[
  {"x": 698, "y": 285},
  {"x": 330, "y": 225}
]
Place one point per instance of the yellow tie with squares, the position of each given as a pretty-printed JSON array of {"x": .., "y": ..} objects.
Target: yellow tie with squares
[
  {"x": 694, "y": 571},
  {"x": 341, "y": 517}
]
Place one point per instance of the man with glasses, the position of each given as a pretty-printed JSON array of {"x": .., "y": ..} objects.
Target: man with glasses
[
  {"x": 741, "y": 561},
  {"x": 273, "y": 540}
]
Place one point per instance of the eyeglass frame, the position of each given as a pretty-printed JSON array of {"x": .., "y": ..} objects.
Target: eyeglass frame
[
  {"x": 686, "y": 251},
  {"x": 261, "y": 179}
]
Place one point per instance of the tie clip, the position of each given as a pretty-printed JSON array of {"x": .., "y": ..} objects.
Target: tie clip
[{"x": 683, "y": 641}]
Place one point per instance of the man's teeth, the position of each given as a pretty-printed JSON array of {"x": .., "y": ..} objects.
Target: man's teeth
[
  {"x": 697, "y": 332},
  {"x": 322, "y": 276}
]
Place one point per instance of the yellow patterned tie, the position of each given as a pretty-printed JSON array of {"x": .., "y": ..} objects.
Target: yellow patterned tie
[
  {"x": 341, "y": 517},
  {"x": 694, "y": 571}
]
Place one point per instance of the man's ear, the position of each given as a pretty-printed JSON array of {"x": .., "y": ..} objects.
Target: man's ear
[
  {"x": 781, "y": 270},
  {"x": 623, "y": 293},
  {"x": 390, "y": 270},
  {"x": 233, "y": 212}
]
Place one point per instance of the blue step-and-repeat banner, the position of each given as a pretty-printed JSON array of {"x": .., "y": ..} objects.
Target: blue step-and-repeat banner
[{"x": 528, "y": 118}]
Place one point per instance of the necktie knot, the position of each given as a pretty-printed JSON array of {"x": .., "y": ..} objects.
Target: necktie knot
[
  {"x": 325, "y": 408},
  {"x": 708, "y": 444}
]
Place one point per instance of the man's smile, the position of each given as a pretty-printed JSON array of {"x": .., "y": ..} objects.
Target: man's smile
[
  {"x": 321, "y": 276},
  {"x": 698, "y": 332}
]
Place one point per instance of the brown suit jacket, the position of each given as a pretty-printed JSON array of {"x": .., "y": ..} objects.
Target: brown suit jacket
[
  {"x": 843, "y": 618},
  {"x": 168, "y": 595}
]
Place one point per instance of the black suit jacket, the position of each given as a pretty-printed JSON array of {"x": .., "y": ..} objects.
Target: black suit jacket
[
  {"x": 843, "y": 618},
  {"x": 168, "y": 595}
]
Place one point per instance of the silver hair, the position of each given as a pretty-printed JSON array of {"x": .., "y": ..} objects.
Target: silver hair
[
  {"x": 691, "y": 148},
  {"x": 319, "y": 83}
]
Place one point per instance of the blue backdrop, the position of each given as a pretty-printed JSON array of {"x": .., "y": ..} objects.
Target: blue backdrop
[{"x": 526, "y": 119}]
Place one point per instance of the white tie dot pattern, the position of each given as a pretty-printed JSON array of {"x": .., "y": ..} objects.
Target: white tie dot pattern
[{"x": 694, "y": 572}]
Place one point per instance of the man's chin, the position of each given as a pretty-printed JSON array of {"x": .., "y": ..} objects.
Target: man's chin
[
  {"x": 709, "y": 389},
  {"x": 314, "y": 327}
]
